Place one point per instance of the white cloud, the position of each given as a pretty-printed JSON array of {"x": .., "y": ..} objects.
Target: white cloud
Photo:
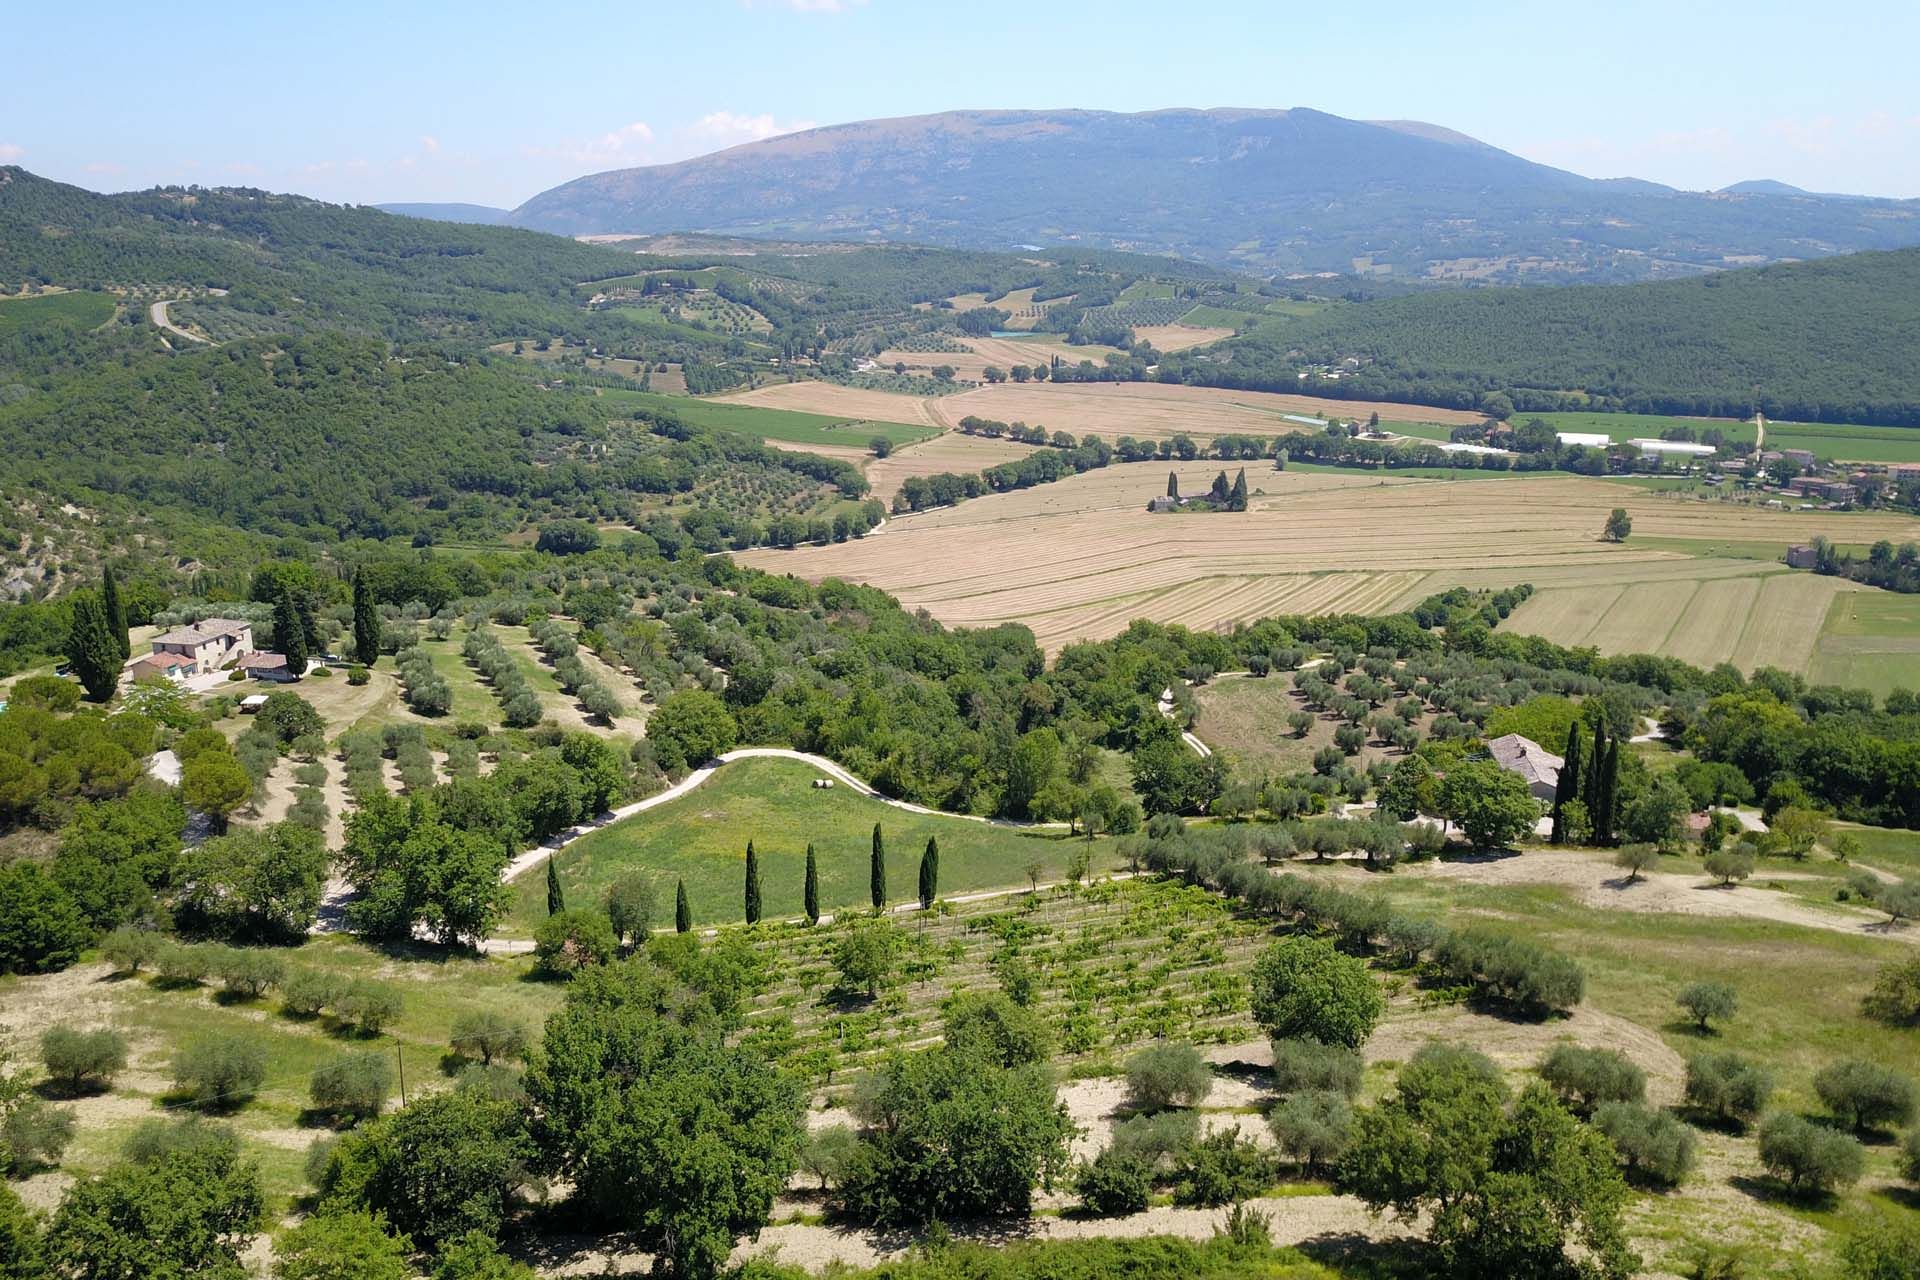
[
  {"x": 429, "y": 142},
  {"x": 727, "y": 127},
  {"x": 629, "y": 144},
  {"x": 11, "y": 151}
]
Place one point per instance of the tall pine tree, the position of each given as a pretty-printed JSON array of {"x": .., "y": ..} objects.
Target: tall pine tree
[
  {"x": 1567, "y": 787},
  {"x": 116, "y": 612},
  {"x": 1173, "y": 485},
  {"x": 753, "y": 885},
  {"x": 1608, "y": 798},
  {"x": 290, "y": 631},
  {"x": 556, "y": 900},
  {"x": 811, "y": 897},
  {"x": 91, "y": 647},
  {"x": 1237, "y": 499},
  {"x": 877, "y": 871},
  {"x": 1220, "y": 490},
  {"x": 1590, "y": 785},
  {"x": 930, "y": 874},
  {"x": 366, "y": 621},
  {"x": 682, "y": 913}
]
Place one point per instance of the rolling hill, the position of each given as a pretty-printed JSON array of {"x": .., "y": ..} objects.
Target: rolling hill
[
  {"x": 1287, "y": 191},
  {"x": 1826, "y": 341}
]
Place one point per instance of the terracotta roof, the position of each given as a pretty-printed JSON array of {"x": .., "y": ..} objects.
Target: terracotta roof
[
  {"x": 1525, "y": 757},
  {"x": 162, "y": 662},
  {"x": 263, "y": 662}
]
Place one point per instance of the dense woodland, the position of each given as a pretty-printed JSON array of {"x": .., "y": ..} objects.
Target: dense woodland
[{"x": 1827, "y": 341}]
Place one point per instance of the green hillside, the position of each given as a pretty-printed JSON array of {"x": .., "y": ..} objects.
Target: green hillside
[{"x": 1827, "y": 341}]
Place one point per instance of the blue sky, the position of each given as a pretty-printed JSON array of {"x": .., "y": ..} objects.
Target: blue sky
[{"x": 491, "y": 104}]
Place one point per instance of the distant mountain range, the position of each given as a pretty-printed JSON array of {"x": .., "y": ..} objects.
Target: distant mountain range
[
  {"x": 1271, "y": 191},
  {"x": 480, "y": 214}
]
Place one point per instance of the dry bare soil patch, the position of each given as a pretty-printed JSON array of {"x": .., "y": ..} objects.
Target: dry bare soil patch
[
  {"x": 1156, "y": 409},
  {"x": 838, "y": 401},
  {"x": 1178, "y": 337}
]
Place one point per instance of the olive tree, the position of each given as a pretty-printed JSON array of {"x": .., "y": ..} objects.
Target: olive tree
[
  {"x": 1167, "y": 1075},
  {"x": 1706, "y": 1001},
  {"x": 1811, "y": 1159}
]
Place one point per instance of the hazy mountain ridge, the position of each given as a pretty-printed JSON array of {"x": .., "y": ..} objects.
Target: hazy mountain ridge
[
  {"x": 1272, "y": 191},
  {"x": 484, "y": 215}
]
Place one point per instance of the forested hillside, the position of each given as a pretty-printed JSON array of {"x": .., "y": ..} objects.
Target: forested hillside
[{"x": 1827, "y": 341}]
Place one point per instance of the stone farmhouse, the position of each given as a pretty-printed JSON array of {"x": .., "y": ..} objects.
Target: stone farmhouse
[{"x": 1537, "y": 766}]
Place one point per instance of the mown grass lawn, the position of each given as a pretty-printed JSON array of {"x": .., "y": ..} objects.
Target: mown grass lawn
[{"x": 702, "y": 838}]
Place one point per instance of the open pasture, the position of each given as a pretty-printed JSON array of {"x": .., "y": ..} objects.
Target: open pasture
[
  {"x": 702, "y": 838},
  {"x": 776, "y": 425},
  {"x": 1153, "y": 410},
  {"x": 1871, "y": 641},
  {"x": 1833, "y": 441},
  {"x": 833, "y": 401},
  {"x": 1081, "y": 558},
  {"x": 1178, "y": 337},
  {"x": 87, "y": 310}
]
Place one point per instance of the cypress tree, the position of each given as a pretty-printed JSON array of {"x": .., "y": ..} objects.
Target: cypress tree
[
  {"x": 682, "y": 913},
  {"x": 1220, "y": 488},
  {"x": 1609, "y": 788},
  {"x": 812, "y": 895},
  {"x": 930, "y": 874},
  {"x": 753, "y": 885},
  {"x": 1173, "y": 485},
  {"x": 290, "y": 632},
  {"x": 877, "y": 871},
  {"x": 366, "y": 621},
  {"x": 1590, "y": 785},
  {"x": 1237, "y": 500},
  {"x": 1567, "y": 786},
  {"x": 556, "y": 901},
  {"x": 91, "y": 647},
  {"x": 116, "y": 613}
]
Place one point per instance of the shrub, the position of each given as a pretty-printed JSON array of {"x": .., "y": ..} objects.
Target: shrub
[
  {"x": 249, "y": 971},
  {"x": 1312, "y": 1126},
  {"x": 183, "y": 963},
  {"x": 1810, "y": 1158},
  {"x": 1222, "y": 1168},
  {"x": 1910, "y": 1156},
  {"x": 355, "y": 1084},
  {"x": 826, "y": 1154},
  {"x": 1304, "y": 988},
  {"x": 486, "y": 1035},
  {"x": 1895, "y": 998},
  {"x": 1654, "y": 1146},
  {"x": 1883, "y": 1250},
  {"x": 83, "y": 1061},
  {"x": 1727, "y": 1087},
  {"x": 1157, "y": 1139},
  {"x": 1514, "y": 970},
  {"x": 569, "y": 941},
  {"x": 1300, "y": 1065},
  {"x": 1167, "y": 1075},
  {"x": 1584, "y": 1078},
  {"x": 990, "y": 1023},
  {"x": 33, "y": 1135},
  {"x": 305, "y": 992},
  {"x": 130, "y": 950},
  {"x": 1728, "y": 865},
  {"x": 345, "y": 1242},
  {"x": 1708, "y": 1000},
  {"x": 1866, "y": 1095},
  {"x": 369, "y": 1007},
  {"x": 219, "y": 1072},
  {"x": 358, "y": 675},
  {"x": 1113, "y": 1183},
  {"x": 630, "y": 909}
]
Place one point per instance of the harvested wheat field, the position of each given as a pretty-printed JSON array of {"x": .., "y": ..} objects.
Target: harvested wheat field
[
  {"x": 1081, "y": 558},
  {"x": 839, "y": 402},
  {"x": 948, "y": 451},
  {"x": 1178, "y": 337},
  {"x": 1003, "y": 353},
  {"x": 1155, "y": 409}
]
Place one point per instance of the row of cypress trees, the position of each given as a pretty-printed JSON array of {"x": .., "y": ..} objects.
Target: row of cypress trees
[
  {"x": 1591, "y": 778},
  {"x": 877, "y": 873},
  {"x": 876, "y": 878}
]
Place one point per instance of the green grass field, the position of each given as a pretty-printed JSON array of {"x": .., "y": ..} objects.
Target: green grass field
[
  {"x": 772, "y": 424},
  {"x": 1831, "y": 441},
  {"x": 1211, "y": 317},
  {"x": 1871, "y": 640},
  {"x": 702, "y": 838},
  {"x": 87, "y": 310}
]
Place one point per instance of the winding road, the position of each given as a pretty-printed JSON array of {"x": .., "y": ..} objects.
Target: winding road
[{"x": 158, "y": 314}]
